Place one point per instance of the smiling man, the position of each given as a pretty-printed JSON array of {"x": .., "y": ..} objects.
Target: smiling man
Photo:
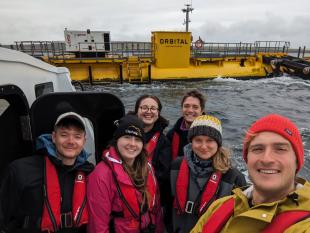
[
  {"x": 192, "y": 106},
  {"x": 47, "y": 192},
  {"x": 278, "y": 201}
]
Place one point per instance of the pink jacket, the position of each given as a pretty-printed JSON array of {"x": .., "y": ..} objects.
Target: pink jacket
[{"x": 103, "y": 199}]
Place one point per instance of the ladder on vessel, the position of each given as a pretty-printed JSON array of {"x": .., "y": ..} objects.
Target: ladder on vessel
[{"x": 134, "y": 70}]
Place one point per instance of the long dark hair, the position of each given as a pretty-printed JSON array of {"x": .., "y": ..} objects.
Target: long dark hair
[{"x": 138, "y": 172}]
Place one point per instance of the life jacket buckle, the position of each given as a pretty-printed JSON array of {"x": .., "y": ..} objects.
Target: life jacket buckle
[
  {"x": 189, "y": 207},
  {"x": 66, "y": 220}
]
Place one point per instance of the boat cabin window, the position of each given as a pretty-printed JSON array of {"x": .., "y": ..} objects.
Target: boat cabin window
[{"x": 43, "y": 88}]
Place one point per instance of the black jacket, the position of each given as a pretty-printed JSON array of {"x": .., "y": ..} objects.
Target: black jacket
[
  {"x": 231, "y": 179},
  {"x": 21, "y": 193},
  {"x": 182, "y": 133},
  {"x": 161, "y": 163},
  {"x": 161, "y": 157}
]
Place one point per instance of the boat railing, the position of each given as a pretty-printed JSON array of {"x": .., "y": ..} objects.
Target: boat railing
[
  {"x": 41, "y": 48},
  {"x": 272, "y": 46},
  {"x": 125, "y": 49},
  {"x": 58, "y": 50},
  {"x": 213, "y": 49}
]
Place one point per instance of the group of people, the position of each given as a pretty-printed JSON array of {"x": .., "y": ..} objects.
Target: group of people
[{"x": 152, "y": 181}]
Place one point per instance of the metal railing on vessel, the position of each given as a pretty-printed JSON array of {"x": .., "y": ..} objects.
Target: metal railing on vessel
[
  {"x": 124, "y": 49},
  {"x": 41, "y": 48},
  {"x": 214, "y": 50},
  {"x": 57, "y": 49}
]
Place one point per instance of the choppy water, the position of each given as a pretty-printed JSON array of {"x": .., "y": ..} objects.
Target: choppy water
[{"x": 236, "y": 102}]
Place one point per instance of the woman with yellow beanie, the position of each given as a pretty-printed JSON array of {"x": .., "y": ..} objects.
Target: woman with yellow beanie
[{"x": 203, "y": 174}]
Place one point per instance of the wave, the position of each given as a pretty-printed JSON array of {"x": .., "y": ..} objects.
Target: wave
[{"x": 201, "y": 84}]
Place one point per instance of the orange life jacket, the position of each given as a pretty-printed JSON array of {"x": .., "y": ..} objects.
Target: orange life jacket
[
  {"x": 52, "y": 218},
  {"x": 207, "y": 197}
]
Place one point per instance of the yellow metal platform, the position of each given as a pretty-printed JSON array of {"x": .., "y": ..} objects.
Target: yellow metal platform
[{"x": 172, "y": 57}]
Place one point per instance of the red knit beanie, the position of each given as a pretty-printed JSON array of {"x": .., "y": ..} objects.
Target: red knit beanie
[{"x": 282, "y": 126}]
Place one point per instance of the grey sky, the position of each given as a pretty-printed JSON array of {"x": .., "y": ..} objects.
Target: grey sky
[{"x": 127, "y": 20}]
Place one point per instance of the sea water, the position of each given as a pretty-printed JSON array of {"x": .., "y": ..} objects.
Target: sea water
[{"x": 237, "y": 103}]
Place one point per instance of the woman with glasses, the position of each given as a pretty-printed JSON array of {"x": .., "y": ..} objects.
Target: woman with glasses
[{"x": 148, "y": 109}]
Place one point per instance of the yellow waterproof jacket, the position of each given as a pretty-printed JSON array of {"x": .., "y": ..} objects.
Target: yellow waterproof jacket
[{"x": 254, "y": 219}]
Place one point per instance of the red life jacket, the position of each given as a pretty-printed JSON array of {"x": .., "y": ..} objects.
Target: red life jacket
[
  {"x": 175, "y": 145},
  {"x": 219, "y": 218},
  {"x": 208, "y": 194},
  {"x": 151, "y": 145},
  {"x": 51, "y": 217},
  {"x": 279, "y": 224},
  {"x": 127, "y": 191}
]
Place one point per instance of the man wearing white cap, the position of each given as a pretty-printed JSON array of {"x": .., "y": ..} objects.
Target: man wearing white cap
[{"x": 47, "y": 192}]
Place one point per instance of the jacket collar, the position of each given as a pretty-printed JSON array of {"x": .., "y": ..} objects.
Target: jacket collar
[
  {"x": 116, "y": 163},
  {"x": 44, "y": 142},
  {"x": 300, "y": 198},
  {"x": 248, "y": 191}
]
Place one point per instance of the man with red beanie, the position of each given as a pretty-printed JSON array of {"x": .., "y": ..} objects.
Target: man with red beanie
[{"x": 278, "y": 200}]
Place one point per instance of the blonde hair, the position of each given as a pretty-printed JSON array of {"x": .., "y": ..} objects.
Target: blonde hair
[{"x": 221, "y": 160}]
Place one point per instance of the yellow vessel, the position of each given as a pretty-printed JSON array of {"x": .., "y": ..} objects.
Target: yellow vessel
[{"x": 169, "y": 56}]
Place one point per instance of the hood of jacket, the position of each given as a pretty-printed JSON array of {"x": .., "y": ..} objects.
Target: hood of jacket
[{"x": 44, "y": 142}]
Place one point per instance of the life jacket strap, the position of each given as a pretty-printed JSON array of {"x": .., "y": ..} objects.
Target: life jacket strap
[
  {"x": 279, "y": 224},
  {"x": 119, "y": 191},
  {"x": 175, "y": 145},
  {"x": 66, "y": 220},
  {"x": 205, "y": 197},
  {"x": 219, "y": 218},
  {"x": 189, "y": 207},
  {"x": 286, "y": 219},
  {"x": 151, "y": 145}
]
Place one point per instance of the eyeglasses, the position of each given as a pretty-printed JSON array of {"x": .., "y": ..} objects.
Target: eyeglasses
[{"x": 145, "y": 108}]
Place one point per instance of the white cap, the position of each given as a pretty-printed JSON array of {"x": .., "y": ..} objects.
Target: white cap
[{"x": 71, "y": 115}]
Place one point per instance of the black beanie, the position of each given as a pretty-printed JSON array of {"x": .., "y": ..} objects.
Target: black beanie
[{"x": 129, "y": 125}]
